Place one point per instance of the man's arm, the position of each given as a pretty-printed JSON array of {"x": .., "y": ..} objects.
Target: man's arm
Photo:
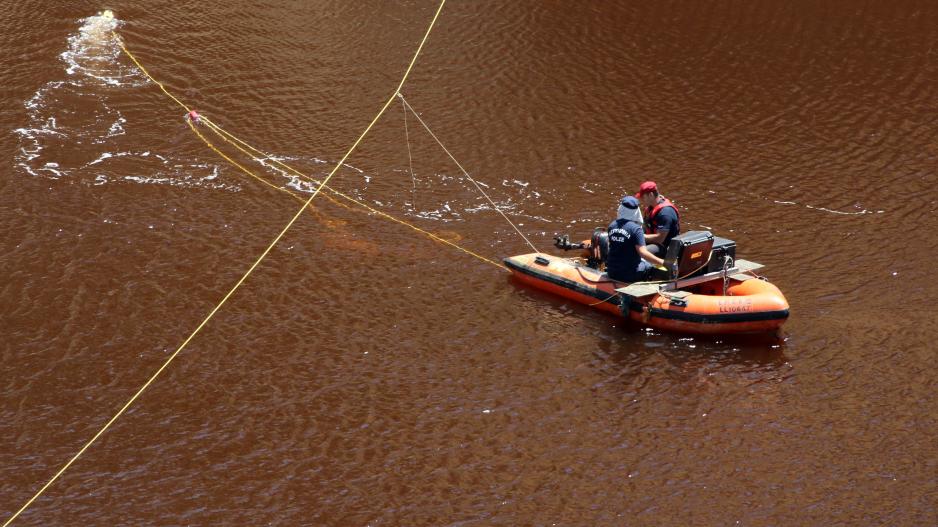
[
  {"x": 643, "y": 252},
  {"x": 658, "y": 237},
  {"x": 664, "y": 222}
]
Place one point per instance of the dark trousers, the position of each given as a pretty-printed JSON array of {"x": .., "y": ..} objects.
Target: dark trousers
[{"x": 640, "y": 275}]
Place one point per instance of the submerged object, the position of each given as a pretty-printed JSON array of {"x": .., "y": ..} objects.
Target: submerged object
[{"x": 714, "y": 294}]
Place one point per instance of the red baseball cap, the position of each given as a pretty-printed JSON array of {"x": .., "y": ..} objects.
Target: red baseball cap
[{"x": 646, "y": 187}]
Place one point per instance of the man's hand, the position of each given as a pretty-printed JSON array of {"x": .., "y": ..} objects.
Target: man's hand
[{"x": 650, "y": 258}]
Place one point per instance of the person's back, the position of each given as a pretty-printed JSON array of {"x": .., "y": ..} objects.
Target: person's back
[
  {"x": 624, "y": 262},
  {"x": 628, "y": 259}
]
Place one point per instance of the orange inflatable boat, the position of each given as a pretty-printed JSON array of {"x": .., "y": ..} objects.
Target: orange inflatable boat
[{"x": 717, "y": 295}]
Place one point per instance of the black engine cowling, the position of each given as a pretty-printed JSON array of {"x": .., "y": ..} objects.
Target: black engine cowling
[{"x": 599, "y": 248}]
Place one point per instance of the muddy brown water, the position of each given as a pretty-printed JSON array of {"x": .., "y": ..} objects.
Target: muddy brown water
[{"x": 367, "y": 376}]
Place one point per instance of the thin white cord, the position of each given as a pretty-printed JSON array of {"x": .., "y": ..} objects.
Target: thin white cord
[
  {"x": 410, "y": 159},
  {"x": 464, "y": 171}
]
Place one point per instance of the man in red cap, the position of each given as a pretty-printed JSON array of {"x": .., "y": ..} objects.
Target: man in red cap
[{"x": 662, "y": 221}]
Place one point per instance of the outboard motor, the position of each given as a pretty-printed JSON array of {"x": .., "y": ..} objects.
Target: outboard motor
[
  {"x": 563, "y": 242},
  {"x": 599, "y": 248}
]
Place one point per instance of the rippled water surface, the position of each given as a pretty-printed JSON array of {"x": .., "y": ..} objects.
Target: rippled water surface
[{"x": 366, "y": 375}]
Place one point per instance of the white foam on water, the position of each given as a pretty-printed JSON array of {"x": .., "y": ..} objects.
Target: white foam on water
[
  {"x": 93, "y": 55},
  {"x": 181, "y": 180},
  {"x": 52, "y": 168},
  {"x": 469, "y": 202},
  {"x": 72, "y": 132},
  {"x": 106, "y": 155},
  {"x": 117, "y": 127},
  {"x": 859, "y": 212}
]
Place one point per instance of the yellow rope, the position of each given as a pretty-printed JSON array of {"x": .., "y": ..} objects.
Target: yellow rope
[
  {"x": 183, "y": 105},
  {"x": 250, "y": 173},
  {"x": 243, "y": 146},
  {"x": 145, "y": 72},
  {"x": 235, "y": 141},
  {"x": 498, "y": 210},
  {"x": 607, "y": 299},
  {"x": 235, "y": 163},
  {"x": 241, "y": 280}
]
